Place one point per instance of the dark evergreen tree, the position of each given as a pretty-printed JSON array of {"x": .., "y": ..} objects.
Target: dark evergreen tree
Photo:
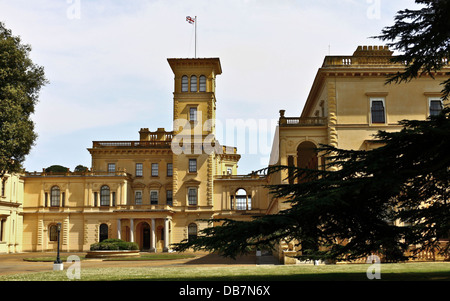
[
  {"x": 388, "y": 200},
  {"x": 423, "y": 38},
  {"x": 382, "y": 201}
]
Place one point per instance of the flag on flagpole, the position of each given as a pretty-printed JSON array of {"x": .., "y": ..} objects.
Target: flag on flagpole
[{"x": 190, "y": 20}]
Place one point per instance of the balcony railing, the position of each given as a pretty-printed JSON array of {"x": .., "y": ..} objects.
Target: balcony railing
[
  {"x": 131, "y": 144},
  {"x": 302, "y": 121}
]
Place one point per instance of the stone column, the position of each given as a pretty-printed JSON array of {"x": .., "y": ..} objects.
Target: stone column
[
  {"x": 132, "y": 230},
  {"x": 119, "y": 229},
  {"x": 166, "y": 235},
  {"x": 152, "y": 237}
]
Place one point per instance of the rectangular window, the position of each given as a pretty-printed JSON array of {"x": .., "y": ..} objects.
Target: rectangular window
[
  {"x": 192, "y": 196},
  {"x": 154, "y": 169},
  {"x": 138, "y": 198},
  {"x": 378, "y": 111},
  {"x": 3, "y": 187},
  {"x": 192, "y": 165},
  {"x": 111, "y": 167},
  {"x": 95, "y": 199},
  {"x": 139, "y": 169},
  {"x": 169, "y": 169},
  {"x": 154, "y": 197},
  {"x": 193, "y": 114},
  {"x": 169, "y": 197},
  {"x": 435, "y": 107}
]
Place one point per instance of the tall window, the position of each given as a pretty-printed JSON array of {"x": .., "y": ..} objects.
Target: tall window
[
  {"x": 104, "y": 195},
  {"x": 55, "y": 196},
  {"x": 53, "y": 233},
  {"x": 243, "y": 202},
  {"x": 193, "y": 114},
  {"x": 378, "y": 111},
  {"x": 184, "y": 84},
  {"x": 169, "y": 169},
  {"x": 192, "y": 196},
  {"x": 154, "y": 197},
  {"x": 193, "y": 83},
  {"x": 169, "y": 197},
  {"x": 138, "y": 197},
  {"x": 3, "y": 187},
  {"x": 435, "y": 107},
  {"x": 103, "y": 232},
  {"x": 139, "y": 169},
  {"x": 202, "y": 83},
  {"x": 192, "y": 231},
  {"x": 192, "y": 165},
  {"x": 154, "y": 169}
]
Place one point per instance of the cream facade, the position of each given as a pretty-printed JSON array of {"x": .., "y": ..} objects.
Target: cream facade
[
  {"x": 156, "y": 190},
  {"x": 11, "y": 215},
  {"x": 153, "y": 191},
  {"x": 348, "y": 104}
]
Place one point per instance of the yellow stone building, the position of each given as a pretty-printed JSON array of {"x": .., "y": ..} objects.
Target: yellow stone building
[
  {"x": 152, "y": 191},
  {"x": 155, "y": 190},
  {"x": 11, "y": 217}
]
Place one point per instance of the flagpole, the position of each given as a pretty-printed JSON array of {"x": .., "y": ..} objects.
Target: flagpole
[{"x": 195, "y": 36}]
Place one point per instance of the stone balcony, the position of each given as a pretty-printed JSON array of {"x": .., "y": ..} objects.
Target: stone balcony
[{"x": 301, "y": 121}]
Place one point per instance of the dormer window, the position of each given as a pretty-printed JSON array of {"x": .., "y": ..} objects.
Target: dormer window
[
  {"x": 202, "y": 83},
  {"x": 193, "y": 83},
  {"x": 184, "y": 83}
]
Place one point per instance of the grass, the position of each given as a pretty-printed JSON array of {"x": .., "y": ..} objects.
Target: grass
[
  {"x": 143, "y": 257},
  {"x": 346, "y": 272}
]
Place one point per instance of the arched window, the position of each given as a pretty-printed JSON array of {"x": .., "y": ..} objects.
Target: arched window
[
  {"x": 307, "y": 158},
  {"x": 53, "y": 233},
  {"x": 202, "y": 83},
  {"x": 192, "y": 231},
  {"x": 55, "y": 196},
  {"x": 104, "y": 195},
  {"x": 103, "y": 232},
  {"x": 243, "y": 201},
  {"x": 193, "y": 83},
  {"x": 184, "y": 84}
]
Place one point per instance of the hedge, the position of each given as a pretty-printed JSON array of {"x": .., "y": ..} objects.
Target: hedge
[{"x": 114, "y": 244}]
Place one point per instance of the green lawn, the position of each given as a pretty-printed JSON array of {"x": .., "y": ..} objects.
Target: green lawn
[
  {"x": 339, "y": 272},
  {"x": 143, "y": 257}
]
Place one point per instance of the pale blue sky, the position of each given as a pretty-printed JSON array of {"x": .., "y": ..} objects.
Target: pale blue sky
[{"x": 107, "y": 61}]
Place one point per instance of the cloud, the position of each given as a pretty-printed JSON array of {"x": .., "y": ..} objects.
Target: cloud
[{"x": 106, "y": 60}]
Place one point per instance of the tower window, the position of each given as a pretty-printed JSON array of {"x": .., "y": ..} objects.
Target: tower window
[
  {"x": 192, "y": 165},
  {"x": 184, "y": 83},
  {"x": 193, "y": 114},
  {"x": 193, "y": 83},
  {"x": 202, "y": 83},
  {"x": 192, "y": 196}
]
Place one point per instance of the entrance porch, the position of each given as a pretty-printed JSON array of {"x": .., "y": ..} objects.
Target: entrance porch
[{"x": 151, "y": 234}]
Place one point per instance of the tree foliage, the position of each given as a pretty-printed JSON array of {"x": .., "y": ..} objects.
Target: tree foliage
[
  {"x": 380, "y": 201},
  {"x": 423, "y": 38},
  {"x": 20, "y": 83}
]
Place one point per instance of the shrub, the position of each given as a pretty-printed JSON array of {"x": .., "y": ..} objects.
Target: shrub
[{"x": 114, "y": 244}]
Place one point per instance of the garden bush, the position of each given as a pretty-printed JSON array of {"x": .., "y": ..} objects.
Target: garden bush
[{"x": 114, "y": 244}]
